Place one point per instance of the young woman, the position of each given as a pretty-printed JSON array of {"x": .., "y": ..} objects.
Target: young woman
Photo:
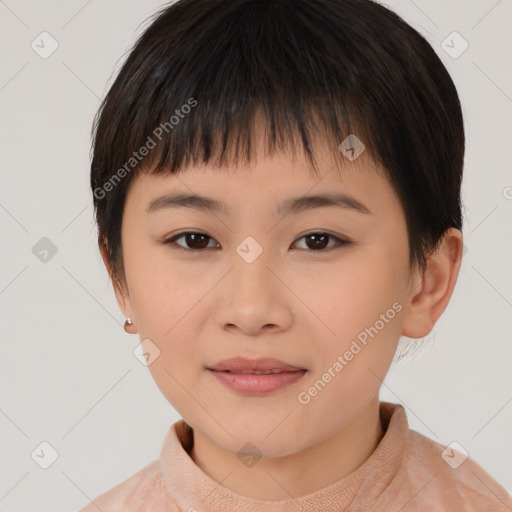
[{"x": 277, "y": 192}]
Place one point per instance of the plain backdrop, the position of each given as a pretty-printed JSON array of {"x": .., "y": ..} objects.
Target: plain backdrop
[{"x": 68, "y": 375}]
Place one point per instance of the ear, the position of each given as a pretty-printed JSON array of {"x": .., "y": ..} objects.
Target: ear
[
  {"x": 121, "y": 292},
  {"x": 432, "y": 289}
]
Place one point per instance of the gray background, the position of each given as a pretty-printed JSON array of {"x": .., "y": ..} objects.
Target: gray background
[{"x": 68, "y": 375}]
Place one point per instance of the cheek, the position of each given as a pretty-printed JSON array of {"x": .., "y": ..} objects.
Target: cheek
[
  {"x": 351, "y": 295},
  {"x": 361, "y": 315},
  {"x": 162, "y": 293},
  {"x": 362, "y": 309},
  {"x": 169, "y": 308}
]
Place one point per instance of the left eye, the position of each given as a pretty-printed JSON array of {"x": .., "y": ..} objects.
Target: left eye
[
  {"x": 196, "y": 241},
  {"x": 318, "y": 240}
]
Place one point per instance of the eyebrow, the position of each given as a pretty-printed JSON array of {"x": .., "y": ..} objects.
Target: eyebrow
[{"x": 293, "y": 205}]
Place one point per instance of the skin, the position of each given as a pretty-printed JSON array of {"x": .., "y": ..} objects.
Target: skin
[{"x": 293, "y": 303}]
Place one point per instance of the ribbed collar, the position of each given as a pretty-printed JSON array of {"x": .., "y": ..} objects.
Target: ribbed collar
[{"x": 193, "y": 489}]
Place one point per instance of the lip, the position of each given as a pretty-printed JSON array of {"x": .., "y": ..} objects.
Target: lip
[
  {"x": 253, "y": 384},
  {"x": 234, "y": 373},
  {"x": 243, "y": 364}
]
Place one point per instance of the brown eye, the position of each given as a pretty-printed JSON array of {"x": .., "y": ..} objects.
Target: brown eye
[
  {"x": 319, "y": 241},
  {"x": 196, "y": 241},
  {"x": 193, "y": 240}
]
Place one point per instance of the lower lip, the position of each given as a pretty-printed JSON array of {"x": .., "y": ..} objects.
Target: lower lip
[{"x": 252, "y": 384}]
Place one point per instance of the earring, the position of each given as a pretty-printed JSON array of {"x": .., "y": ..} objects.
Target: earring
[{"x": 127, "y": 325}]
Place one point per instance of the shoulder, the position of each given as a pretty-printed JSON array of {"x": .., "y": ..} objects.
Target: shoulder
[
  {"x": 447, "y": 479},
  {"x": 145, "y": 491}
]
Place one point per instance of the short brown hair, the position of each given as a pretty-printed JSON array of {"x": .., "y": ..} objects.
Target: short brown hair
[{"x": 352, "y": 64}]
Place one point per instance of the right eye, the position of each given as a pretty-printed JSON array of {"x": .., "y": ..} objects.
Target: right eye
[{"x": 195, "y": 240}]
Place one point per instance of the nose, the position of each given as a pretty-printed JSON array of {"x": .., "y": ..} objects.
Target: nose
[{"x": 253, "y": 299}]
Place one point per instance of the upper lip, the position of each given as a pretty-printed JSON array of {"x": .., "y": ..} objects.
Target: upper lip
[{"x": 242, "y": 364}]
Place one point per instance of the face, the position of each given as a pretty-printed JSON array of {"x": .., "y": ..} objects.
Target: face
[{"x": 327, "y": 293}]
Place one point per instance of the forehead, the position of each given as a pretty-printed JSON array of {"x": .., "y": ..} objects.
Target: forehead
[
  {"x": 283, "y": 181},
  {"x": 275, "y": 173}
]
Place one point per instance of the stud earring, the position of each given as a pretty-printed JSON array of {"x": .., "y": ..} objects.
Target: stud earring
[{"x": 127, "y": 325}]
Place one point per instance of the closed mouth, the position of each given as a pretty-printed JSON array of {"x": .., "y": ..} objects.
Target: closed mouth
[{"x": 258, "y": 372}]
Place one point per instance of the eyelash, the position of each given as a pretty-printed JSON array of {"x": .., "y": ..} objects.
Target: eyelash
[{"x": 172, "y": 240}]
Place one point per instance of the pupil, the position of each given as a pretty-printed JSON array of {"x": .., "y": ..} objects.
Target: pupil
[
  {"x": 315, "y": 239},
  {"x": 194, "y": 237}
]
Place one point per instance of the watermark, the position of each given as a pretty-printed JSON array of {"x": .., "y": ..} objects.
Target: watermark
[
  {"x": 351, "y": 147},
  {"x": 454, "y": 454},
  {"x": 44, "y": 455},
  {"x": 44, "y": 250},
  {"x": 304, "y": 397},
  {"x": 249, "y": 455},
  {"x": 249, "y": 249},
  {"x": 454, "y": 45},
  {"x": 146, "y": 352},
  {"x": 145, "y": 149},
  {"x": 44, "y": 45}
]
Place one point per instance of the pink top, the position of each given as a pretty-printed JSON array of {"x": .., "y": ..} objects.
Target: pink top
[{"x": 407, "y": 472}]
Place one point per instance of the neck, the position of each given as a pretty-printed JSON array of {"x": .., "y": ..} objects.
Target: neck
[{"x": 298, "y": 474}]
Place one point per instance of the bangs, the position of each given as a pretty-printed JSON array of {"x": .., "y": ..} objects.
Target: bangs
[
  {"x": 208, "y": 77},
  {"x": 246, "y": 73}
]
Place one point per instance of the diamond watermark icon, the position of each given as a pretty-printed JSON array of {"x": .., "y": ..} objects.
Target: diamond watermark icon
[
  {"x": 352, "y": 147},
  {"x": 146, "y": 352},
  {"x": 44, "y": 45},
  {"x": 454, "y": 45},
  {"x": 44, "y": 250},
  {"x": 454, "y": 455},
  {"x": 249, "y": 249},
  {"x": 44, "y": 455},
  {"x": 249, "y": 455}
]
